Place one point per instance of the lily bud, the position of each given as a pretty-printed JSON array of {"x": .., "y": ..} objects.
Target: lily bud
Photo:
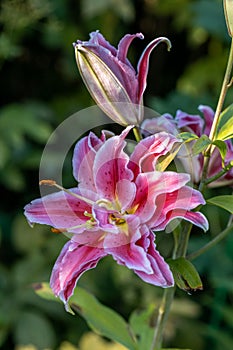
[
  {"x": 111, "y": 79},
  {"x": 228, "y": 10}
]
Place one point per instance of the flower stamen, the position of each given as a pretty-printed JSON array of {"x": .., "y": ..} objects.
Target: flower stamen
[{"x": 53, "y": 183}]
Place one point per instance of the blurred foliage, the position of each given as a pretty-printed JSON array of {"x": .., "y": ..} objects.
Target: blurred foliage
[{"x": 40, "y": 88}]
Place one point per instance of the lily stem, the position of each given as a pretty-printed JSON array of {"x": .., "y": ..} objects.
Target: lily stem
[
  {"x": 180, "y": 249},
  {"x": 211, "y": 244}
]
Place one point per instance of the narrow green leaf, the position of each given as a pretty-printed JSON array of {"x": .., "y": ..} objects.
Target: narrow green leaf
[
  {"x": 222, "y": 147},
  {"x": 102, "y": 319},
  {"x": 225, "y": 129},
  {"x": 225, "y": 202},
  {"x": 185, "y": 274},
  {"x": 201, "y": 144}
]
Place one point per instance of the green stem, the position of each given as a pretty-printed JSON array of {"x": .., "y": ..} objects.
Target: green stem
[
  {"x": 217, "y": 176},
  {"x": 211, "y": 244},
  {"x": 163, "y": 312},
  {"x": 137, "y": 134}
]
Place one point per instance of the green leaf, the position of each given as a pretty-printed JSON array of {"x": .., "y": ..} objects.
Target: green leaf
[
  {"x": 222, "y": 147},
  {"x": 185, "y": 274},
  {"x": 225, "y": 129},
  {"x": 187, "y": 136},
  {"x": 201, "y": 144},
  {"x": 142, "y": 325},
  {"x": 225, "y": 202},
  {"x": 102, "y": 319}
]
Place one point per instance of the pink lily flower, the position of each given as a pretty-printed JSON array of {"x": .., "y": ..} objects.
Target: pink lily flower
[
  {"x": 120, "y": 200},
  {"x": 111, "y": 79},
  {"x": 199, "y": 126}
]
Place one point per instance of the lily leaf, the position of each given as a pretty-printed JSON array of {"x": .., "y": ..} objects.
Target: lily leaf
[
  {"x": 201, "y": 144},
  {"x": 185, "y": 274},
  {"x": 187, "y": 136},
  {"x": 225, "y": 202},
  {"x": 222, "y": 147},
  {"x": 225, "y": 130},
  {"x": 102, "y": 319}
]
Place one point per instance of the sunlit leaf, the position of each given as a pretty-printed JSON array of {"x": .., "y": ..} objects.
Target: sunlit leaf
[
  {"x": 225, "y": 202},
  {"x": 222, "y": 147},
  {"x": 225, "y": 129}
]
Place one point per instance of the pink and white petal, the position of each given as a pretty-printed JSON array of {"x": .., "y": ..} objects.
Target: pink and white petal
[
  {"x": 190, "y": 122},
  {"x": 147, "y": 151},
  {"x": 181, "y": 200},
  {"x": 143, "y": 65},
  {"x": 208, "y": 114},
  {"x": 128, "y": 232},
  {"x": 101, "y": 43},
  {"x": 150, "y": 186},
  {"x": 195, "y": 218},
  {"x": 164, "y": 122},
  {"x": 125, "y": 193},
  {"x": 110, "y": 166},
  {"x": 132, "y": 255},
  {"x": 72, "y": 262},
  {"x": 60, "y": 210},
  {"x": 161, "y": 275},
  {"x": 144, "y": 260},
  {"x": 124, "y": 44},
  {"x": 83, "y": 160}
]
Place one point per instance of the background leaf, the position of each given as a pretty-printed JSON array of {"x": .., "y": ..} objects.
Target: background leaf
[{"x": 225, "y": 202}]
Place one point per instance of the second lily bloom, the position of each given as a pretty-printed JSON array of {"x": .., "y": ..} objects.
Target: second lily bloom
[{"x": 111, "y": 79}]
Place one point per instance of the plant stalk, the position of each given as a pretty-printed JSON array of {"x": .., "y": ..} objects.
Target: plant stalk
[
  {"x": 180, "y": 249},
  {"x": 211, "y": 244}
]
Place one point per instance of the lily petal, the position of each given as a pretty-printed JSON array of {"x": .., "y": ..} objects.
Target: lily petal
[
  {"x": 144, "y": 260},
  {"x": 72, "y": 262},
  {"x": 83, "y": 159},
  {"x": 143, "y": 64},
  {"x": 60, "y": 210},
  {"x": 148, "y": 151},
  {"x": 110, "y": 166}
]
